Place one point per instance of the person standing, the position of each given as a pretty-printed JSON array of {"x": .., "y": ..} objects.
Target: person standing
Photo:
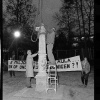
[
  {"x": 12, "y": 73},
  {"x": 85, "y": 71},
  {"x": 29, "y": 68},
  {"x": 50, "y": 43}
]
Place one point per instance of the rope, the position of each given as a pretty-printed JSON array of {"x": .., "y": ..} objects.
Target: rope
[{"x": 32, "y": 39}]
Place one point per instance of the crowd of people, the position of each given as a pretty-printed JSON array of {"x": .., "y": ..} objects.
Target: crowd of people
[
  {"x": 30, "y": 72},
  {"x": 50, "y": 37}
]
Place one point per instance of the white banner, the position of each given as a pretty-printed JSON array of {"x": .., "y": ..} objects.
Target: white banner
[
  {"x": 16, "y": 65},
  {"x": 69, "y": 64}
]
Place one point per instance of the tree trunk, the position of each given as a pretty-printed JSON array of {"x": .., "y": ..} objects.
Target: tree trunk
[
  {"x": 78, "y": 20},
  {"x": 78, "y": 17},
  {"x": 69, "y": 35},
  {"x": 17, "y": 11},
  {"x": 90, "y": 20},
  {"x": 83, "y": 26}
]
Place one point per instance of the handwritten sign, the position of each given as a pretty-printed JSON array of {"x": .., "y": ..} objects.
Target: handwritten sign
[
  {"x": 16, "y": 65},
  {"x": 68, "y": 64}
]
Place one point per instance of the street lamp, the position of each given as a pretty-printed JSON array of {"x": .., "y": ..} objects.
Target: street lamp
[{"x": 17, "y": 34}]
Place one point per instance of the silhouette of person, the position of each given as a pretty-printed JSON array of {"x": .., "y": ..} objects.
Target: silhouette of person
[{"x": 12, "y": 73}]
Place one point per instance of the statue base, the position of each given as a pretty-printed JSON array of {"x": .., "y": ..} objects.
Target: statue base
[{"x": 41, "y": 81}]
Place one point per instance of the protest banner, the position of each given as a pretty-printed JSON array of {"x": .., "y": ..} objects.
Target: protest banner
[
  {"x": 68, "y": 64},
  {"x": 16, "y": 65}
]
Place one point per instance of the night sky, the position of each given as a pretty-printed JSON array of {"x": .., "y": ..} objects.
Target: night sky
[
  {"x": 49, "y": 7},
  {"x": 48, "y": 10}
]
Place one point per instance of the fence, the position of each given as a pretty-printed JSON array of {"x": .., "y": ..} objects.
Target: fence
[{"x": 61, "y": 54}]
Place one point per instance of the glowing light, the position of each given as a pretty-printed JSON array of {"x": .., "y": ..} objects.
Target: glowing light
[
  {"x": 82, "y": 38},
  {"x": 92, "y": 37},
  {"x": 17, "y": 34},
  {"x": 75, "y": 44}
]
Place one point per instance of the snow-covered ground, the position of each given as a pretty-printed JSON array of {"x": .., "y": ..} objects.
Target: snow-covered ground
[{"x": 73, "y": 90}]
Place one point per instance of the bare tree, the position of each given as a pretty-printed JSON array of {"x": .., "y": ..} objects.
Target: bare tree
[
  {"x": 19, "y": 13},
  {"x": 89, "y": 11},
  {"x": 76, "y": 16}
]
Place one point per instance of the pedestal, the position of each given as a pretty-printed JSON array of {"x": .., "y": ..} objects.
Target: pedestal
[
  {"x": 41, "y": 77},
  {"x": 41, "y": 83}
]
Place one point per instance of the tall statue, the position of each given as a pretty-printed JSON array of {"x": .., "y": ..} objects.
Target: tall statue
[{"x": 50, "y": 43}]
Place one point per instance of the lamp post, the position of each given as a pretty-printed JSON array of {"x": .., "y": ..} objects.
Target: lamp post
[{"x": 17, "y": 34}]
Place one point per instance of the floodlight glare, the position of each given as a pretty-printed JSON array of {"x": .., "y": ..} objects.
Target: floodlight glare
[{"x": 17, "y": 34}]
